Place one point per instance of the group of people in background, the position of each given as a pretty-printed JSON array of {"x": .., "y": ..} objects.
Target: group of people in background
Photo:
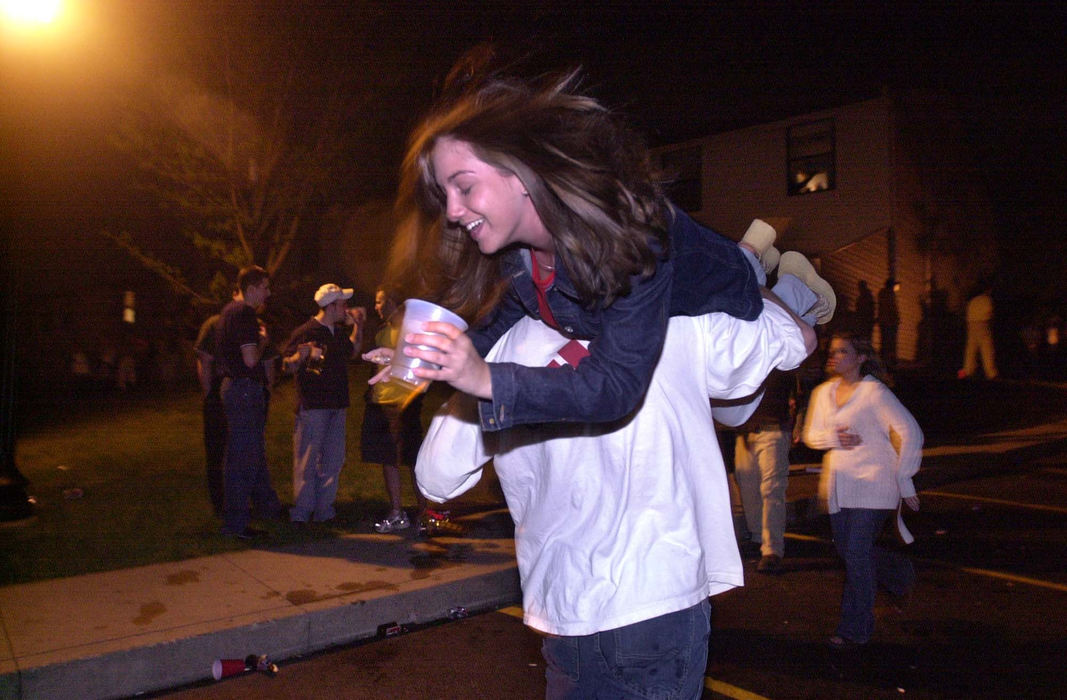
[{"x": 236, "y": 367}]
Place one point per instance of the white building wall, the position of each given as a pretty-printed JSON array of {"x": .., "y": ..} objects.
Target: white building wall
[{"x": 744, "y": 176}]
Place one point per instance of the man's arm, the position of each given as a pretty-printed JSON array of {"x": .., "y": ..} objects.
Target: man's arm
[
  {"x": 252, "y": 353},
  {"x": 205, "y": 370},
  {"x": 358, "y": 317}
]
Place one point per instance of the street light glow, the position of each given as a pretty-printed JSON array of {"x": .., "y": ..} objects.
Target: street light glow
[{"x": 31, "y": 12}]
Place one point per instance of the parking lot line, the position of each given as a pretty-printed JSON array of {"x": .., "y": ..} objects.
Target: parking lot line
[
  {"x": 966, "y": 569},
  {"x": 730, "y": 691},
  {"x": 1015, "y": 578},
  {"x": 998, "y": 501}
]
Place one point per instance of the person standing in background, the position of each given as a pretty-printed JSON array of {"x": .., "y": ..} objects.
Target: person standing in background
[
  {"x": 318, "y": 353},
  {"x": 979, "y": 336},
  {"x": 761, "y": 468},
  {"x": 242, "y": 343},
  {"x": 864, "y": 310},
  {"x": 888, "y": 321},
  {"x": 392, "y": 425}
]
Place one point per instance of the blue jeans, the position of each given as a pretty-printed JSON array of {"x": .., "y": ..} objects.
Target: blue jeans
[
  {"x": 664, "y": 657},
  {"x": 866, "y": 567},
  {"x": 246, "y": 475},
  {"x": 318, "y": 455}
]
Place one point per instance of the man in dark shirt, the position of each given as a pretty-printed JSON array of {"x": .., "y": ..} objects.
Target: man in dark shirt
[
  {"x": 318, "y": 353},
  {"x": 241, "y": 343}
]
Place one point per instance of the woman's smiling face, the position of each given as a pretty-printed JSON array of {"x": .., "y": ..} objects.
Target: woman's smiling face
[{"x": 490, "y": 204}]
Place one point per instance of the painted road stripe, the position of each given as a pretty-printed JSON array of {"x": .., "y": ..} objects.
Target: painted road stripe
[
  {"x": 1016, "y": 579},
  {"x": 805, "y": 538},
  {"x": 730, "y": 691},
  {"x": 977, "y": 572},
  {"x": 998, "y": 501}
]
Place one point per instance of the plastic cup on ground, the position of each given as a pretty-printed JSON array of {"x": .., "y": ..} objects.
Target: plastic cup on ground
[
  {"x": 417, "y": 313},
  {"x": 224, "y": 668}
]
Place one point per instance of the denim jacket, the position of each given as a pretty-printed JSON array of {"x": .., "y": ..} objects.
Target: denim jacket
[{"x": 705, "y": 272}]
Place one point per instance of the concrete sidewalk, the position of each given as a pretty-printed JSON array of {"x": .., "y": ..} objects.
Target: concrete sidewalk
[
  {"x": 125, "y": 632},
  {"x": 156, "y": 627}
]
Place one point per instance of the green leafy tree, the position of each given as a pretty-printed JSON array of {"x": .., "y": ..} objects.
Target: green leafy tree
[{"x": 239, "y": 177}]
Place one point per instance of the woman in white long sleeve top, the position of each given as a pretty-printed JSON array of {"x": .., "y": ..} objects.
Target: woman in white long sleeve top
[{"x": 852, "y": 416}]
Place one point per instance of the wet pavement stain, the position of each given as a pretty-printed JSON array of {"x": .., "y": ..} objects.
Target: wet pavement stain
[
  {"x": 149, "y": 612},
  {"x": 183, "y": 577},
  {"x": 302, "y": 597},
  {"x": 426, "y": 564},
  {"x": 358, "y": 587}
]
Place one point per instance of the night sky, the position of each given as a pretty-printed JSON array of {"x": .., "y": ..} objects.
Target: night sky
[{"x": 680, "y": 70}]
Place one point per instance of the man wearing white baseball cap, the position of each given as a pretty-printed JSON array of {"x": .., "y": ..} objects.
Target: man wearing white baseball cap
[{"x": 318, "y": 352}]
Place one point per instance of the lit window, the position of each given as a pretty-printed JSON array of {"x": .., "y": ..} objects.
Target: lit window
[{"x": 811, "y": 157}]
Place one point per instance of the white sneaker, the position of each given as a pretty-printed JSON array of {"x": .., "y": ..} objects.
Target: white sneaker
[
  {"x": 794, "y": 263},
  {"x": 760, "y": 235},
  {"x": 770, "y": 259}
]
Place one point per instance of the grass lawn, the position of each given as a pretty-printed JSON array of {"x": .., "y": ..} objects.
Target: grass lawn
[{"x": 118, "y": 481}]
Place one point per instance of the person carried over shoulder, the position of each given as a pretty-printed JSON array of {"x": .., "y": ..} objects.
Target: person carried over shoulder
[{"x": 522, "y": 200}]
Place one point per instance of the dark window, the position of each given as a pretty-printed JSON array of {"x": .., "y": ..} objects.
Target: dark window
[
  {"x": 682, "y": 168},
  {"x": 811, "y": 165}
]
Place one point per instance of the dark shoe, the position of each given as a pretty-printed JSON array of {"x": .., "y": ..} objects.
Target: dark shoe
[
  {"x": 249, "y": 533},
  {"x": 769, "y": 564}
]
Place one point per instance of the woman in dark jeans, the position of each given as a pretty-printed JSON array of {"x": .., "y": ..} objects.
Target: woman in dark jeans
[{"x": 851, "y": 416}]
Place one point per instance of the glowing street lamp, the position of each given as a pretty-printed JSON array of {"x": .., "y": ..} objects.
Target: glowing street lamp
[
  {"x": 31, "y": 13},
  {"x": 17, "y": 17}
]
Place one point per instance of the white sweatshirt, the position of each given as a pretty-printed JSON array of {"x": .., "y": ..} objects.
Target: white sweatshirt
[
  {"x": 873, "y": 474},
  {"x": 618, "y": 523}
]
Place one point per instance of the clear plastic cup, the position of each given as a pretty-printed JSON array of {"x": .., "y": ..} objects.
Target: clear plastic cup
[{"x": 416, "y": 314}]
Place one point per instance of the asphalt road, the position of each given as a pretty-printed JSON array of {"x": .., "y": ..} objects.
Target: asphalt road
[{"x": 986, "y": 620}]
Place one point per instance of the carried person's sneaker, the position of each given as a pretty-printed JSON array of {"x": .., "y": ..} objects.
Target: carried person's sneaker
[
  {"x": 794, "y": 263},
  {"x": 397, "y": 522},
  {"x": 770, "y": 259},
  {"x": 760, "y": 236}
]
